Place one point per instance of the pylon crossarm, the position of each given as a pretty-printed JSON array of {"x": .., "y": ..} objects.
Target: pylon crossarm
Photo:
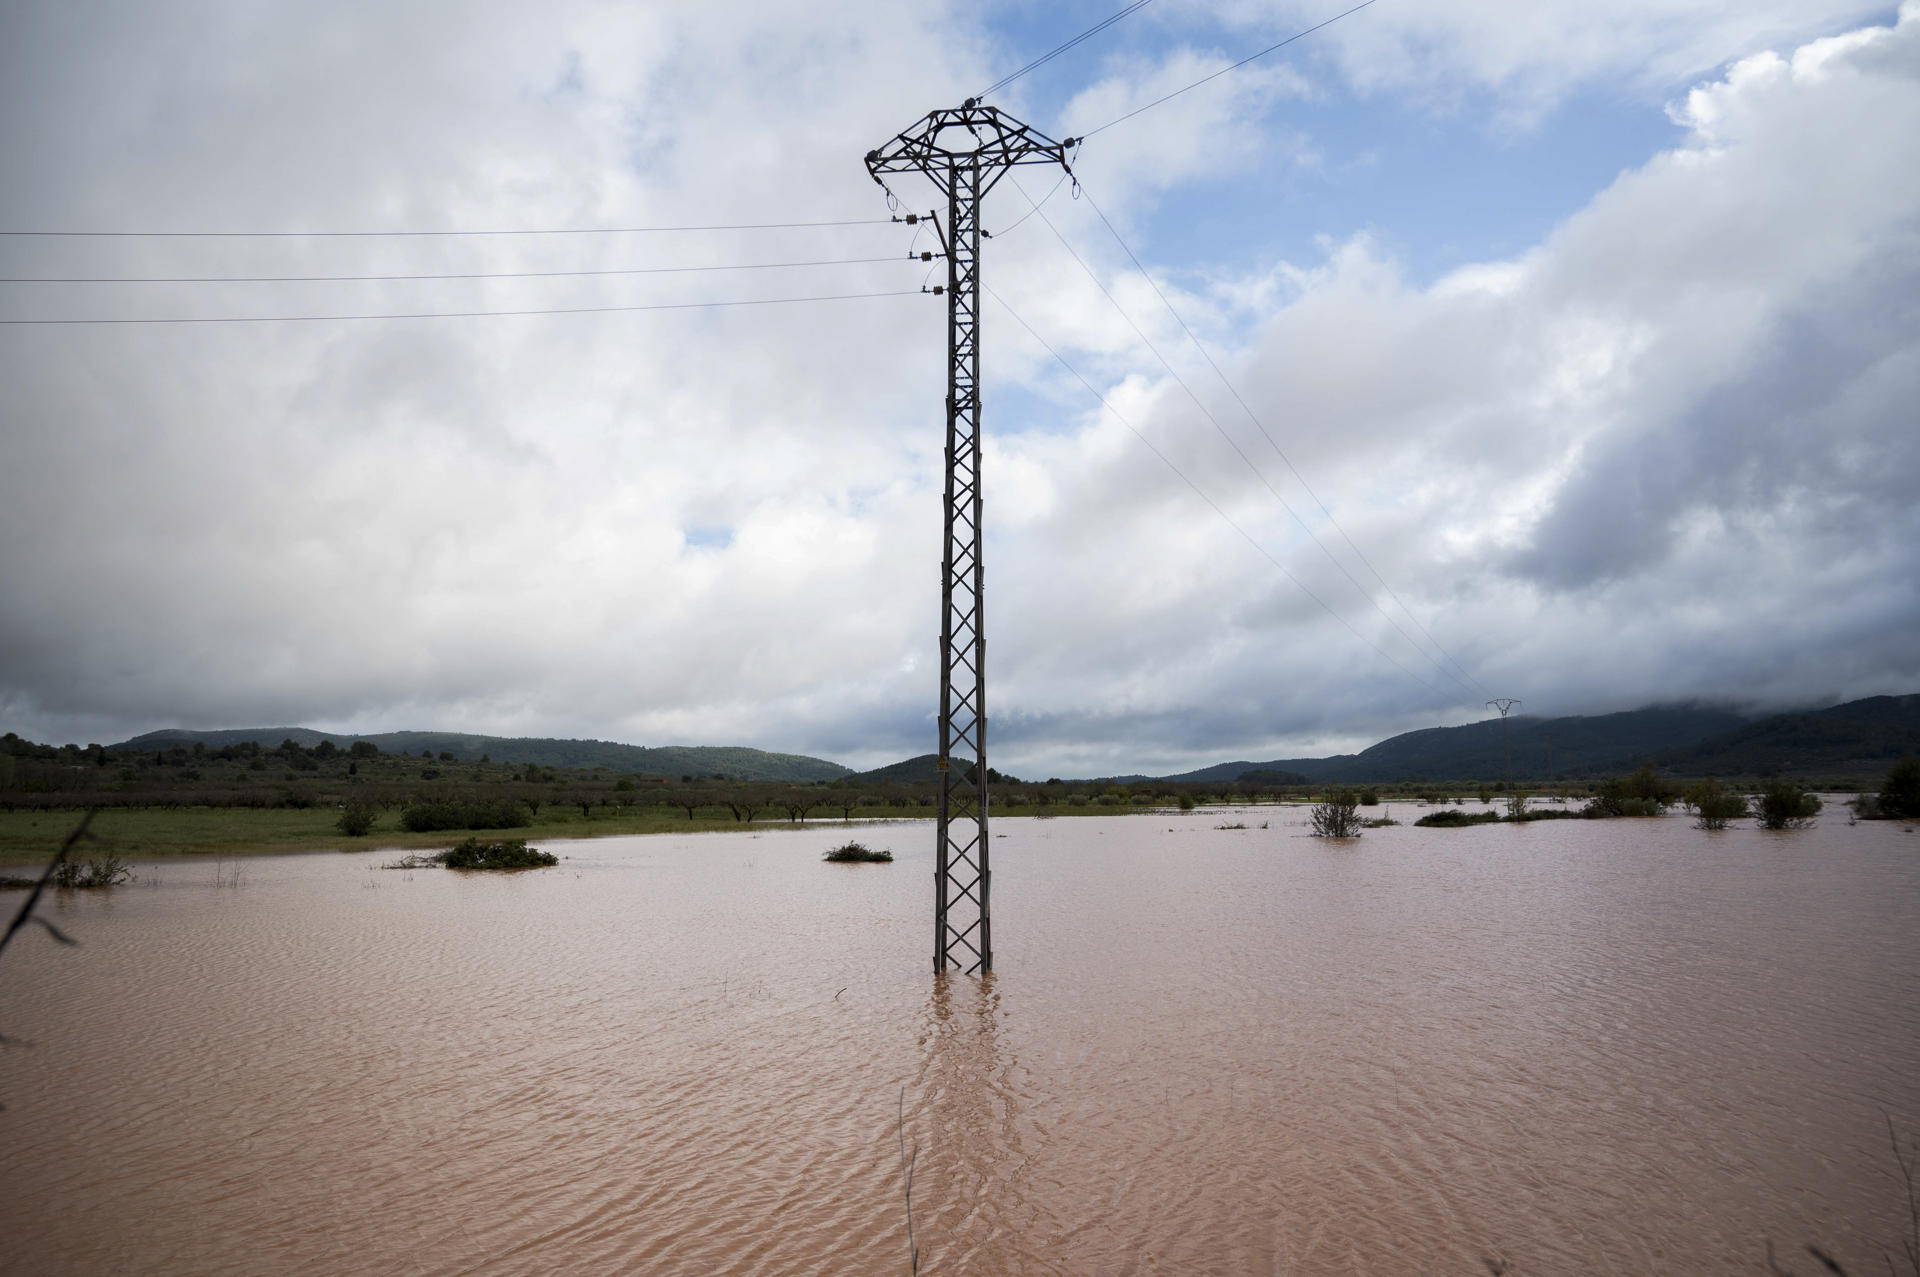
[{"x": 972, "y": 134}]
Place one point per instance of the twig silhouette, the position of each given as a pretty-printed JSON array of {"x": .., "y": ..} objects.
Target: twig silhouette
[
  {"x": 21, "y": 918},
  {"x": 25, "y": 914}
]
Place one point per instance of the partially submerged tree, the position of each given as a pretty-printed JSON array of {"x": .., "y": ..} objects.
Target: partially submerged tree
[
  {"x": 1783, "y": 805},
  {"x": 1337, "y": 815},
  {"x": 1713, "y": 804},
  {"x": 1900, "y": 792}
]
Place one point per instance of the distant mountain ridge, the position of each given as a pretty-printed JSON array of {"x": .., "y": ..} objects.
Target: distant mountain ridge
[
  {"x": 1864, "y": 735},
  {"x": 733, "y": 762},
  {"x": 1541, "y": 747}
]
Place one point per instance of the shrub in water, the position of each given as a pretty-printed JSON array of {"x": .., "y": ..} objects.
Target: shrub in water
[
  {"x": 1784, "y": 806},
  {"x": 1337, "y": 815},
  {"x": 1449, "y": 818},
  {"x": 509, "y": 854},
  {"x": 854, "y": 853},
  {"x": 108, "y": 871},
  {"x": 1900, "y": 792},
  {"x": 1713, "y": 804}
]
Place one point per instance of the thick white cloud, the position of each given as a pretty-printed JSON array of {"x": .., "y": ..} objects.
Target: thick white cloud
[
  {"x": 1666, "y": 453},
  {"x": 1669, "y": 453},
  {"x": 1532, "y": 56}
]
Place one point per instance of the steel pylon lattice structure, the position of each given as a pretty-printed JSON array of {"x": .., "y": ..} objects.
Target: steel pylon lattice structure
[{"x": 965, "y": 151}]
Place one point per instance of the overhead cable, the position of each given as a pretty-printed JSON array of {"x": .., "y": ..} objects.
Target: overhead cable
[
  {"x": 1045, "y": 58},
  {"x": 1255, "y": 57},
  {"x": 474, "y": 314},
  {"x": 1280, "y": 452},
  {"x": 1202, "y": 494},
  {"x": 523, "y": 274},
  {"x": 560, "y": 230}
]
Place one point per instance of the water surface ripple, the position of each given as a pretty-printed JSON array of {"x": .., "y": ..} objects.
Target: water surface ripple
[{"x": 1608, "y": 1047}]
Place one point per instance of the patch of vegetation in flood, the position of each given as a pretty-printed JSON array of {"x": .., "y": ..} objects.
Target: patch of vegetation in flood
[
  {"x": 854, "y": 853},
  {"x": 1337, "y": 815},
  {"x": 1453, "y": 818},
  {"x": 414, "y": 860},
  {"x": 511, "y": 853},
  {"x": 107, "y": 871}
]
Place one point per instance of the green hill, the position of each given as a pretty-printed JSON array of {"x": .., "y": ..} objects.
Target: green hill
[
  {"x": 910, "y": 771},
  {"x": 733, "y": 762}
]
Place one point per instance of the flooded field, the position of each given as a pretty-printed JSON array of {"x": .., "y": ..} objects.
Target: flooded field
[{"x": 1579, "y": 1047}]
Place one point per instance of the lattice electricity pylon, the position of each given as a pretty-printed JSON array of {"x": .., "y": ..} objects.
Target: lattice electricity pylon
[
  {"x": 966, "y": 152},
  {"x": 1504, "y": 704}
]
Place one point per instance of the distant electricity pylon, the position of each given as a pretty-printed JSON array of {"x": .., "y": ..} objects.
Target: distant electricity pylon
[
  {"x": 965, "y": 152},
  {"x": 1503, "y": 705}
]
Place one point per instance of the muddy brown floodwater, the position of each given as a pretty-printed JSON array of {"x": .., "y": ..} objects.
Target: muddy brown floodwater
[{"x": 1580, "y": 1047}]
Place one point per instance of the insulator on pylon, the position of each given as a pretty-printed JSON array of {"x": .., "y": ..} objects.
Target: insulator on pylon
[
  {"x": 913, "y": 219},
  {"x": 926, "y": 256},
  {"x": 938, "y": 289}
]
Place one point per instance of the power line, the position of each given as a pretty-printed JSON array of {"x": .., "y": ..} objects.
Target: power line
[
  {"x": 1234, "y": 444},
  {"x": 564, "y": 230},
  {"x": 1202, "y": 494},
  {"x": 529, "y": 274},
  {"x": 1255, "y": 57},
  {"x": 1470, "y": 682},
  {"x": 1045, "y": 58},
  {"x": 475, "y": 314}
]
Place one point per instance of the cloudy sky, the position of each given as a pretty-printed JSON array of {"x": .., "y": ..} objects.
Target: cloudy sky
[{"x": 1473, "y": 348}]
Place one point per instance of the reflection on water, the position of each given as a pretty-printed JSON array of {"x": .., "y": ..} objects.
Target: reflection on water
[{"x": 1622, "y": 1047}]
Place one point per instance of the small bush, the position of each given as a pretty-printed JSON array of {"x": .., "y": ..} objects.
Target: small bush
[
  {"x": 1713, "y": 805},
  {"x": 512, "y": 853},
  {"x": 854, "y": 853},
  {"x": 1610, "y": 803},
  {"x": 1186, "y": 802},
  {"x": 108, "y": 871},
  {"x": 1379, "y": 822},
  {"x": 1784, "y": 806},
  {"x": 356, "y": 818},
  {"x": 1369, "y": 797}
]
